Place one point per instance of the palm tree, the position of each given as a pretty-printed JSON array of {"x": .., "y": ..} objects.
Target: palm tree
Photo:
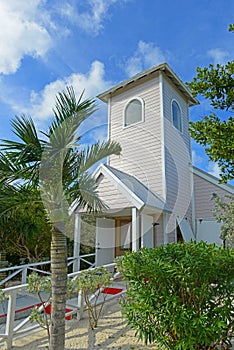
[{"x": 56, "y": 167}]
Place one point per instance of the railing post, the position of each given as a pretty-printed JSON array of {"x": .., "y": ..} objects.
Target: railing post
[
  {"x": 24, "y": 275},
  {"x": 76, "y": 249},
  {"x": 80, "y": 303},
  {"x": 10, "y": 318}
]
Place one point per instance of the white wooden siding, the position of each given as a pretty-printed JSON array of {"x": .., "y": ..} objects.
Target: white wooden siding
[
  {"x": 112, "y": 197},
  {"x": 203, "y": 191},
  {"x": 141, "y": 143},
  {"x": 177, "y": 155}
]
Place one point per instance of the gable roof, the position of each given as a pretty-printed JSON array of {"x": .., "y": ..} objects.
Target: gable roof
[
  {"x": 148, "y": 74},
  {"x": 134, "y": 190},
  {"x": 214, "y": 180}
]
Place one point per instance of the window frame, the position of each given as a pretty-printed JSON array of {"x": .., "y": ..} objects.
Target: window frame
[
  {"x": 172, "y": 119},
  {"x": 142, "y": 112}
]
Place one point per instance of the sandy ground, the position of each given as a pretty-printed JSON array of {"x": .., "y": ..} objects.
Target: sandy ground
[{"x": 111, "y": 333}]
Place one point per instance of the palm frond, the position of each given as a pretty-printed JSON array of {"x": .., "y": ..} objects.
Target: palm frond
[
  {"x": 68, "y": 106},
  {"x": 56, "y": 168},
  {"x": 17, "y": 197},
  {"x": 85, "y": 193},
  {"x": 8, "y": 170},
  {"x": 97, "y": 152},
  {"x": 69, "y": 113},
  {"x": 30, "y": 148}
]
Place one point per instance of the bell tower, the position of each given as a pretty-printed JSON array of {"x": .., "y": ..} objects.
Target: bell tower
[{"x": 149, "y": 116}]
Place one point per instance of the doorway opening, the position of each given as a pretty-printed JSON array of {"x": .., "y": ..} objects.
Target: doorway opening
[{"x": 123, "y": 235}]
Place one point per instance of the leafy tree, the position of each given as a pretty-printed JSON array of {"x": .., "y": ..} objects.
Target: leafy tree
[
  {"x": 53, "y": 170},
  {"x": 26, "y": 235},
  {"x": 216, "y": 83},
  {"x": 180, "y": 296}
]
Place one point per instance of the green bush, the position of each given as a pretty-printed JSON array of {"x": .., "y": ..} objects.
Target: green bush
[{"x": 180, "y": 295}]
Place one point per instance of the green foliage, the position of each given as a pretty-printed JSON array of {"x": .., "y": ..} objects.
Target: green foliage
[
  {"x": 224, "y": 212},
  {"x": 180, "y": 295},
  {"x": 3, "y": 296},
  {"x": 91, "y": 283},
  {"x": 218, "y": 138},
  {"x": 40, "y": 285},
  {"x": 231, "y": 27},
  {"x": 26, "y": 234},
  {"x": 216, "y": 83},
  {"x": 88, "y": 237}
]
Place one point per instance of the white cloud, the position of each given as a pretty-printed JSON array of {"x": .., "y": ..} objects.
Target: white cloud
[
  {"x": 213, "y": 169},
  {"x": 218, "y": 56},
  {"x": 196, "y": 158},
  {"x": 91, "y": 19},
  {"x": 27, "y": 26},
  {"x": 146, "y": 56},
  {"x": 22, "y": 33},
  {"x": 93, "y": 83}
]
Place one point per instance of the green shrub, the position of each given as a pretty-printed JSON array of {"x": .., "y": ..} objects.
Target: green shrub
[{"x": 180, "y": 295}]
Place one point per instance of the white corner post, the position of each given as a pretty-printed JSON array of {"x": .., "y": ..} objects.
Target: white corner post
[
  {"x": 135, "y": 230},
  {"x": 10, "y": 318},
  {"x": 76, "y": 249}
]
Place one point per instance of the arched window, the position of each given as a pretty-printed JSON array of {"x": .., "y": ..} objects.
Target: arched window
[
  {"x": 176, "y": 115},
  {"x": 133, "y": 112}
]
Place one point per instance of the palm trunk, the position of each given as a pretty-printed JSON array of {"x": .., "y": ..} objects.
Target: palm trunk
[{"x": 59, "y": 288}]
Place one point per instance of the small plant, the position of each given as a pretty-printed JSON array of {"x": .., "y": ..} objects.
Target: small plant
[
  {"x": 91, "y": 283},
  {"x": 40, "y": 285},
  {"x": 3, "y": 298},
  {"x": 181, "y": 295}
]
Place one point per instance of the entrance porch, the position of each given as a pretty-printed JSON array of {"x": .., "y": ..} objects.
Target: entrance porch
[{"x": 135, "y": 217}]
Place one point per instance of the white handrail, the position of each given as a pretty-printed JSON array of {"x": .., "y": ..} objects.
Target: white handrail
[
  {"x": 23, "y": 269},
  {"x": 12, "y": 330}
]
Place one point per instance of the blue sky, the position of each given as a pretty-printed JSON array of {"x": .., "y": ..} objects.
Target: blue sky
[{"x": 94, "y": 44}]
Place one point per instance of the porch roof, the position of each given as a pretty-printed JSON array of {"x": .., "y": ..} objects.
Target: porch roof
[{"x": 131, "y": 187}]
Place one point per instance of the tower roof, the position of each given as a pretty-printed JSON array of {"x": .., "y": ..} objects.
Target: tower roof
[{"x": 148, "y": 74}]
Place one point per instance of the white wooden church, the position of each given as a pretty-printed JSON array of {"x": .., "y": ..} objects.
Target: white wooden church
[{"x": 153, "y": 192}]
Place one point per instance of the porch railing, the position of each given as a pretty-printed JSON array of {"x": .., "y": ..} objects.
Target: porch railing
[
  {"x": 11, "y": 328},
  {"x": 21, "y": 271}
]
